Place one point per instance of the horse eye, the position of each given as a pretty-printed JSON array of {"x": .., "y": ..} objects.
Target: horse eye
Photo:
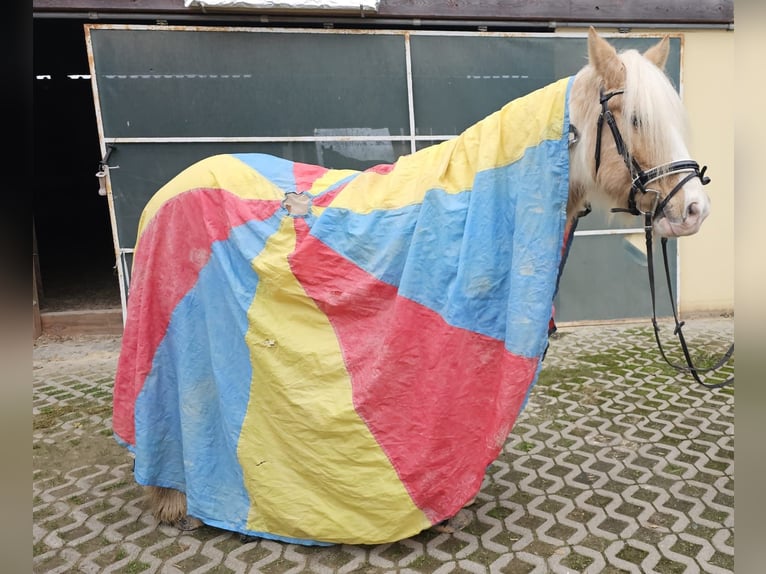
[{"x": 635, "y": 121}]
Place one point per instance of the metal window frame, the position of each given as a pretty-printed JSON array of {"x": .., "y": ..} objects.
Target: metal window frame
[{"x": 123, "y": 253}]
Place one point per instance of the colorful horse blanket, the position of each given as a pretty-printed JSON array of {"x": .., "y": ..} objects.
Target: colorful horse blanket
[{"x": 347, "y": 374}]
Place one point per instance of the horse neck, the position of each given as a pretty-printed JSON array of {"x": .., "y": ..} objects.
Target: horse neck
[{"x": 584, "y": 109}]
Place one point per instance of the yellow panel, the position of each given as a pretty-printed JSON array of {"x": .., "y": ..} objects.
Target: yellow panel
[
  {"x": 330, "y": 178},
  {"x": 216, "y": 172},
  {"x": 452, "y": 165},
  {"x": 303, "y": 449}
]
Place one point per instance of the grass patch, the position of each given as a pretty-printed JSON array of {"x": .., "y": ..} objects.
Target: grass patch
[
  {"x": 499, "y": 512},
  {"x": 135, "y": 566},
  {"x": 632, "y": 554},
  {"x": 425, "y": 563},
  {"x": 577, "y": 562},
  {"x": 51, "y": 415},
  {"x": 552, "y": 375},
  {"x": 665, "y": 566},
  {"x": 39, "y": 548}
]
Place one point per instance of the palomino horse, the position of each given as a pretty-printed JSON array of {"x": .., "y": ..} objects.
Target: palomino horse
[{"x": 329, "y": 356}]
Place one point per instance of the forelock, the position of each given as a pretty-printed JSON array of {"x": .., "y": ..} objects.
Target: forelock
[{"x": 650, "y": 96}]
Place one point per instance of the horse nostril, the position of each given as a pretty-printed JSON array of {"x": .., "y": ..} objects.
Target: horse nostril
[{"x": 692, "y": 210}]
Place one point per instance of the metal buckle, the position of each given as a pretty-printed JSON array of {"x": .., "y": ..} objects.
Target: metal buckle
[{"x": 648, "y": 195}]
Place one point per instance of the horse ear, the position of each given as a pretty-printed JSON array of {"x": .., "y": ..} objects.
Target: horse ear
[
  {"x": 658, "y": 54},
  {"x": 603, "y": 57}
]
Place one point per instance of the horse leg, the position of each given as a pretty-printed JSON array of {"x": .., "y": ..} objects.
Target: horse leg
[
  {"x": 462, "y": 519},
  {"x": 168, "y": 505}
]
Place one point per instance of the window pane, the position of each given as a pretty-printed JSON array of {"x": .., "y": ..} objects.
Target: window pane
[
  {"x": 606, "y": 277},
  {"x": 458, "y": 80},
  {"x": 174, "y": 83}
]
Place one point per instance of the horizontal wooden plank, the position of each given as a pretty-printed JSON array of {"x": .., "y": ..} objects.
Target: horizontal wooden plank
[
  {"x": 86, "y": 322},
  {"x": 566, "y": 10},
  {"x": 613, "y": 11}
]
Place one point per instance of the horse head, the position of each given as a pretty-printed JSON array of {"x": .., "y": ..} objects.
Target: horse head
[{"x": 630, "y": 146}]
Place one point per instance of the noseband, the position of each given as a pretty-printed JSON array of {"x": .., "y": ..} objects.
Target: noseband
[
  {"x": 639, "y": 181},
  {"x": 639, "y": 177}
]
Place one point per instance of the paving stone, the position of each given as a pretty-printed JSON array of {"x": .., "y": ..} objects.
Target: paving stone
[{"x": 618, "y": 463}]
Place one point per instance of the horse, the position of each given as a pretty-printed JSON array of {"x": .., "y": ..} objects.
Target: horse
[{"x": 328, "y": 356}]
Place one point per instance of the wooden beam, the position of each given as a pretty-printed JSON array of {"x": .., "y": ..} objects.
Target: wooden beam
[
  {"x": 649, "y": 11},
  {"x": 37, "y": 324},
  {"x": 87, "y": 322},
  {"x": 595, "y": 11},
  {"x": 37, "y": 287}
]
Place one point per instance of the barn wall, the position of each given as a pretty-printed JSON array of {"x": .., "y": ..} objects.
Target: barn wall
[
  {"x": 710, "y": 94},
  {"x": 643, "y": 11},
  {"x": 706, "y": 280}
]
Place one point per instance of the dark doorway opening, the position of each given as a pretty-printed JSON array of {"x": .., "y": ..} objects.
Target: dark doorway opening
[{"x": 71, "y": 221}]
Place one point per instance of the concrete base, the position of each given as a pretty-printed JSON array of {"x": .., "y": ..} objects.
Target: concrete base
[{"x": 85, "y": 322}]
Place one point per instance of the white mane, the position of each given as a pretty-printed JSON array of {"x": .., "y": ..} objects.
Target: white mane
[{"x": 650, "y": 97}]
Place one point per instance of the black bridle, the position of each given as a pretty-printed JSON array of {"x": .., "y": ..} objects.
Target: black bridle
[{"x": 640, "y": 179}]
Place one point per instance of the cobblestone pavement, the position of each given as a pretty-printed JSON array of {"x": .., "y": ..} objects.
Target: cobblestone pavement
[{"x": 618, "y": 464}]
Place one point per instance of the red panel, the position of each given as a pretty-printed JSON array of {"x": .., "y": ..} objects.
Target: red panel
[
  {"x": 432, "y": 394},
  {"x": 172, "y": 250},
  {"x": 306, "y": 174}
]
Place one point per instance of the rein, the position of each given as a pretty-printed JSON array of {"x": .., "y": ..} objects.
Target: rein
[
  {"x": 689, "y": 367},
  {"x": 640, "y": 179}
]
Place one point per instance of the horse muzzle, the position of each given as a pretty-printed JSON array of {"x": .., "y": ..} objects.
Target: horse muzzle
[{"x": 696, "y": 209}]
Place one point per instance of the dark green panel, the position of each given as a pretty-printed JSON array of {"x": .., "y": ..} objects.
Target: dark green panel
[
  {"x": 673, "y": 65},
  {"x": 458, "y": 80},
  {"x": 571, "y": 54},
  {"x": 144, "y": 168},
  {"x": 605, "y": 277},
  {"x": 185, "y": 83}
]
